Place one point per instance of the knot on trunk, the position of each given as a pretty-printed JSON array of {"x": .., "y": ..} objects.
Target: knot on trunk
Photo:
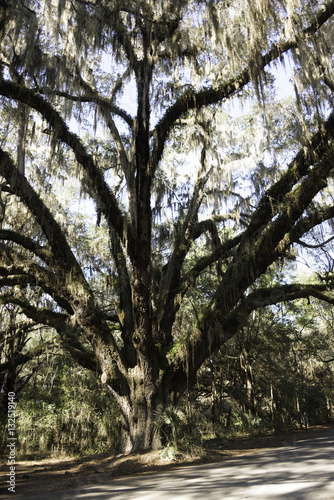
[{"x": 137, "y": 340}]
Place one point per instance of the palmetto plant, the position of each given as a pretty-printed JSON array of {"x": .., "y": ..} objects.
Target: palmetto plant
[{"x": 167, "y": 421}]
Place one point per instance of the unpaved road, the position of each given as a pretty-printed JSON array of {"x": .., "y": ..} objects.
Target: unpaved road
[{"x": 302, "y": 470}]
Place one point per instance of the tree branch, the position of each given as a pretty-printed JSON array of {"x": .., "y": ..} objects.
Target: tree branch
[
  {"x": 28, "y": 243},
  {"x": 80, "y": 296},
  {"x": 94, "y": 98},
  {"x": 123, "y": 36},
  {"x": 319, "y": 245},
  {"x": 264, "y": 297},
  {"x": 255, "y": 254},
  {"x": 100, "y": 191},
  {"x": 21, "y": 359},
  {"x": 185, "y": 235},
  {"x": 85, "y": 359},
  {"x": 125, "y": 307},
  {"x": 17, "y": 270},
  {"x": 257, "y": 250},
  {"x": 38, "y": 314},
  {"x": 307, "y": 223},
  {"x": 177, "y": 376},
  {"x": 256, "y": 235},
  {"x": 196, "y": 100},
  {"x": 62, "y": 323},
  {"x": 210, "y": 224},
  {"x": 118, "y": 85},
  {"x": 62, "y": 254}
]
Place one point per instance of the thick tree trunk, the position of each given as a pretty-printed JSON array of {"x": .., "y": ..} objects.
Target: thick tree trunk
[{"x": 138, "y": 430}]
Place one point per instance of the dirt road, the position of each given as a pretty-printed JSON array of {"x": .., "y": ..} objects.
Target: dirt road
[{"x": 302, "y": 470}]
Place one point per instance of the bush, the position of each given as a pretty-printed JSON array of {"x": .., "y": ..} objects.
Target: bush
[{"x": 72, "y": 416}]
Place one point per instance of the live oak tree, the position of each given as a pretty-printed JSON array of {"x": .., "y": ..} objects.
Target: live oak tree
[{"x": 162, "y": 176}]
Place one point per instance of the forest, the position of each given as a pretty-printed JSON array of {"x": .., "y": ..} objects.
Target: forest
[{"x": 166, "y": 221}]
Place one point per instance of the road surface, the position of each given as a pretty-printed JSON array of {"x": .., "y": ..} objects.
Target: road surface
[{"x": 303, "y": 470}]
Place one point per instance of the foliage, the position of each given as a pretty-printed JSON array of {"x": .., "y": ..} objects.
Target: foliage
[
  {"x": 64, "y": 410},
  {"x": 168, "y": 424}
]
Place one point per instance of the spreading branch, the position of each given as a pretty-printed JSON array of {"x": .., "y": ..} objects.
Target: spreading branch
[
  {"x": 258, "y": 249},
  {"x": 92, "y": 98},
  {"x": 79, "y": 296},
  {"x": 100, "y": 190},
  {"x": 61, "y": 251},
  {"x": 23, "y": 358},
  {"x": 27, "y": 243},
  {"x": 196, "y": 100}
]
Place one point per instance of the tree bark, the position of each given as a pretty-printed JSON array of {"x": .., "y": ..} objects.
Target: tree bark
[
  {"x": 138, "y": 432},
  {"x": 247, "y": 368}
]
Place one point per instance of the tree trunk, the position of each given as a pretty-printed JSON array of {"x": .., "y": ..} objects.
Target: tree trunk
[
  {"x": 272, "y": 405},
  {"x": 247, "y": 368},
  {"x": 138, "y": 431}
]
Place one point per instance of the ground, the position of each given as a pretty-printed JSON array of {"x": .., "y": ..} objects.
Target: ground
[{"x": 35, "y": 477}]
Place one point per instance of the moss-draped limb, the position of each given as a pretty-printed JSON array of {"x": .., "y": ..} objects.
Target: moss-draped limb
[
  {"x": 85, "y": 359},
  {"x": 17, "y": 269},
  {"x": 74, "y": 286},
  {"x": 269, "y": 296},
  {"x": 269, "y": 207},
  {"x": 93, "y": 97},
  {"x": 124, "y": 307},
  {"x": 69, "y": 333},
  {"x": 61, "y": 251},
  {"x": 183, "y": 239},
  {"x": 26, "y": 242},
  {"x": 196, "y": 100},
  {"x": 256, "y": 251},
  {"x": 181, "y": 373},
  {"x": 100, "y": 190},
  {"x": 22, "y": 358},
  {"x": 271, "y": 203}
]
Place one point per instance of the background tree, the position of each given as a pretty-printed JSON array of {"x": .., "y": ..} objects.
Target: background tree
[
  {"x": 66, "y": 63},
  {"x": 14, "y": 337}
]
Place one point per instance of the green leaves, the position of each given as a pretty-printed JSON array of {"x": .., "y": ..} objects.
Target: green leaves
[{"x": 167, "y": 421}]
